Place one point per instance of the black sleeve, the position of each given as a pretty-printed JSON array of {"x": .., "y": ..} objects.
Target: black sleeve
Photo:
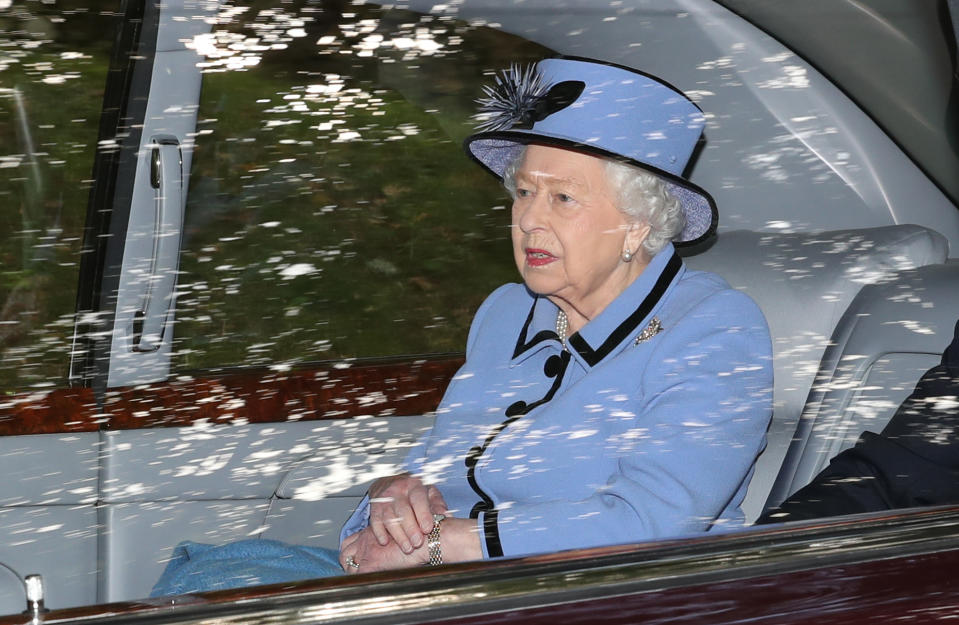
[{"x": 877, "y": 474}]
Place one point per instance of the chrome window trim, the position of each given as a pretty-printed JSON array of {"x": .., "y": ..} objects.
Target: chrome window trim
[{"x": 471, "y": 589}]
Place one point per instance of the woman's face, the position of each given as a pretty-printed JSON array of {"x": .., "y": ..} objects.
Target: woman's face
[{"x": 568, "y": 235}]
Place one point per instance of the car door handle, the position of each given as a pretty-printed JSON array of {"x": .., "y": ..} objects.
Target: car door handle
[{"x": 166, "y": 178}]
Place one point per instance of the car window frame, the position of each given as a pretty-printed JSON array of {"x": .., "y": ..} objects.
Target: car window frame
[
  {"x": 121, "y": 125},
  {"x": 707, "y": 576}
]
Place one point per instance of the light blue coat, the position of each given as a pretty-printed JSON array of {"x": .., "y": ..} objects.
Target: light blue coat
[{"x": 630, "y": 435}]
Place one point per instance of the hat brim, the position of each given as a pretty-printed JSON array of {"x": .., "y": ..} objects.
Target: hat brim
[{"x": 495, "y": 150}]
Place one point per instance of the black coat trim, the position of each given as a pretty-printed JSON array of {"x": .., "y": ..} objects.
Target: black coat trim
[
  {"x": 631, "y": 323},
  {"x": 491, "y": 533},
  {"x": 543, "y": 335},
  {"x": 555, "y": 367}
]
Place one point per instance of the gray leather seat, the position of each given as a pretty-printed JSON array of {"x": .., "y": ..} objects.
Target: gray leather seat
[
  {"x": 291, "y": 481},
  {"x": 803, "y": 283},
  {"x": 48, "y": 516},
  {"x": 891, "y": 334}
]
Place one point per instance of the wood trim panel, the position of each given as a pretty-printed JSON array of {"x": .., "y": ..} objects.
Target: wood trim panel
[
  {"x": 328, "y": 392},
  {"x": 46, "y": 412}
]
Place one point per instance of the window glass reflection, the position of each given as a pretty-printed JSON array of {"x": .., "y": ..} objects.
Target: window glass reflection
[
  {"x": 50, "y": 54},
  {"x": 331, "y": 212}
]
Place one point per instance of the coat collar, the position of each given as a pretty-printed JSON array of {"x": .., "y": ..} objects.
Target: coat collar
[{"x": 620, "y": 320}]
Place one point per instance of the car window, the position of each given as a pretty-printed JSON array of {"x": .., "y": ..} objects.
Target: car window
[
  {"x": 331, "y": 212},
  {"x": 51, "y": 54},
  {"x": 327, "y": 157}
]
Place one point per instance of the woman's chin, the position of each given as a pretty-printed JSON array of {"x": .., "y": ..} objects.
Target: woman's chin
[{"x": 540, "y": 286}]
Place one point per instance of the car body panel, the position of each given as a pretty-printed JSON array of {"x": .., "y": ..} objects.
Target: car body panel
[
  {"x": 147, "y": 279},
  {"x": 844, "y": 572}
]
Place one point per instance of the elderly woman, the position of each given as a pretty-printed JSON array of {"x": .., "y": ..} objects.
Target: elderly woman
[{"x": 614, "y": 396}]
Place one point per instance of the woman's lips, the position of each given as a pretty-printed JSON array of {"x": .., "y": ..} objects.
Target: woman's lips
[{"x": 538, "y": 258}]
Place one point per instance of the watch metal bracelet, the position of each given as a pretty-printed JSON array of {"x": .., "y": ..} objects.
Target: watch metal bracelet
[{"x": 433, "y": 541}]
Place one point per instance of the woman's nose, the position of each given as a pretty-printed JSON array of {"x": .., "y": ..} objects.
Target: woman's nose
[{"x": 530, "y": 213}]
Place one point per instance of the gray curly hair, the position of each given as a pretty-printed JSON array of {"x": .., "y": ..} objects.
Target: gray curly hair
[{"x": 639, "y": 194}]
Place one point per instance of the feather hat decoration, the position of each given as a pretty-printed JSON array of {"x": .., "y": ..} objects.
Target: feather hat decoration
[
  {"x": 520, "y": 97},
  {"x": 509, "y": 99}
]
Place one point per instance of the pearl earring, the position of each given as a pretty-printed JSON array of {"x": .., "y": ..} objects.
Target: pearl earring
[{"x": 627, "y": 256}]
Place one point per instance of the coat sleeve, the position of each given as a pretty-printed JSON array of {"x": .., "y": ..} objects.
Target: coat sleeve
[{"x": 699, "y": 420}]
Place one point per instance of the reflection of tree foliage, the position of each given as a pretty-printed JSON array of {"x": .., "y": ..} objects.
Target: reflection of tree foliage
[
  {"x": 329, "y": 187},
  {"x": 309, "y": 240},
  {"x": 49, "y": 55}
]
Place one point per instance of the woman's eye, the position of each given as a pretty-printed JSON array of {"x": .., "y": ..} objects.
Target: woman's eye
[
  {"x": 522, "y": 193},
  {"x": 562, "y": 197}
]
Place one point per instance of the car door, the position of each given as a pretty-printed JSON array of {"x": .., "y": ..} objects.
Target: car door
[{"x": 123, "y": 334}]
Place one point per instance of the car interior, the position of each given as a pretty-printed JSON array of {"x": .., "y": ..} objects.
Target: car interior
[
  {"x": 133, "y": 495},
  {"x": 856, "y": 314}
]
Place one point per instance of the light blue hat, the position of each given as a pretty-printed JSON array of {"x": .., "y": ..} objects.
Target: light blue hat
[{"x": 604, "y": 109}]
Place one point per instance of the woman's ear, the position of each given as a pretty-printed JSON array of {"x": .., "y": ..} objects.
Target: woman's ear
[{"x": 636, "y": 233}]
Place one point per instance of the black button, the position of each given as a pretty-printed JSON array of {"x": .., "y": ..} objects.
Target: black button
[
  {"x": 516, "y": 409},
  {"x": 553, "y": 366}
]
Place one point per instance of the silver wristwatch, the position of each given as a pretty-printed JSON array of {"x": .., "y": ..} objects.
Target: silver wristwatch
[{"x": 433, "y": 541}]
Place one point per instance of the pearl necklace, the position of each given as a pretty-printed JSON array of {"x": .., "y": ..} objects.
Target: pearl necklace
[{"x": 562, "y": 327}]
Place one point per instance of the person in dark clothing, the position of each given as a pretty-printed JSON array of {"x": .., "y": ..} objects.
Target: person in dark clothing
[{"x": 913, "y": 462}]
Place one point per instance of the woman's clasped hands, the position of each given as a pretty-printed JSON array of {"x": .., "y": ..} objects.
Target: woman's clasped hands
[{"x": 401, "y": 516}]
